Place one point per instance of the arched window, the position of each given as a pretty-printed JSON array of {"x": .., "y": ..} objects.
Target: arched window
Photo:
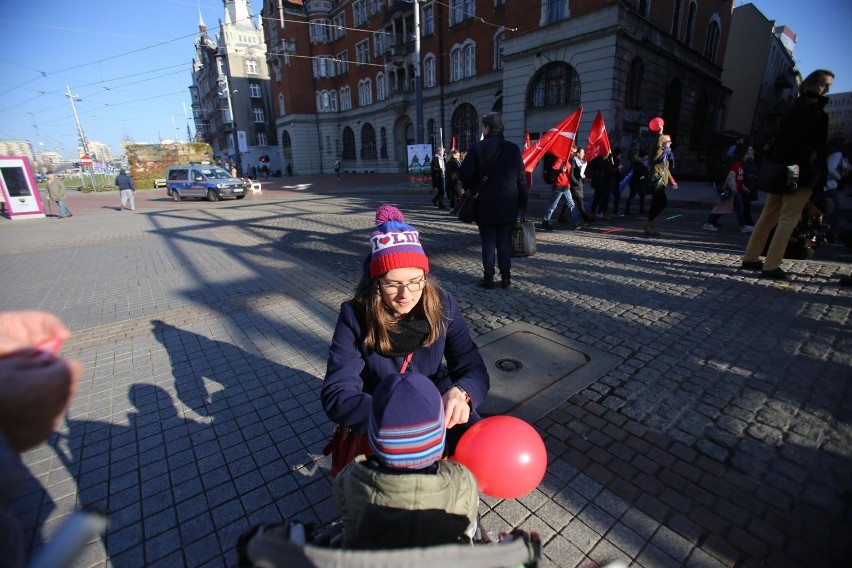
[
  {"x": 465, "y": 126},
  {"x": 345, "y": 98},
  {"x": 711, "y": 47},
  {"x": 456, "y": 64},
  {"x": 368, "y": 142},
  {"x": 690, "y": 23},
  {"x": 281, "y": 109},
  {"x": 348, "y": 144},
  {"x": 429, "y": 71},
  {"x": 470, "y": 59},
  {"x": 365, "y": 92},
  {"x": 334, "y": 101},
  {"x": 381, "y": 92},
  {"x": 384, "y": 147},
  {"x": 498, "y": 48},
  {"x": 555, "y": 84},
  {"x": 671, "y": 107},
  {"x": 635, "y": 80},
  {"x": 676, "y": 15}
]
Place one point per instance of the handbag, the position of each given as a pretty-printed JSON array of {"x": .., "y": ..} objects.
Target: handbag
[
  {"x": 467, "y": 202},
  {"x": 523, "y": 238},
  {"x": 346, "y": 443},
  {"x": 773, "y": 177}
]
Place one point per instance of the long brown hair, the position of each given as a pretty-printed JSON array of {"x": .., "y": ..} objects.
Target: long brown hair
[{"x": 379, "y": 320}]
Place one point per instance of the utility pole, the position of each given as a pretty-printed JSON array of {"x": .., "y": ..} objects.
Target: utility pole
[
  {"x": 233, "y": 124},
  {"x": 83, "y": 141},
  {"x": 418, "y": 78}
]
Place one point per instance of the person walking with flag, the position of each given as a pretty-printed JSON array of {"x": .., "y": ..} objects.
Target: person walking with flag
[{"x": 659, "y": 176}]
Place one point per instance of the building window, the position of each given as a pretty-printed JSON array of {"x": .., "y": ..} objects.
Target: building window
[
  {"x": 368, "y": 142},
  {"x": 346, "y": 98},
  {"x": 555, "y": 84},
  {"x": 333, "y": 96},
  {"x": 432, "y": 133},
  {"x": 456, "y": 64},
  {"x": 555, "y": 11},
  {"x": 470, "y": 60},
  {"x": 643, "y": 8},
  {"x": 343, "y": 62},
  {"x": 429, "y": 71},
  {"x": 498, "y": 49},
  {"x": 320, "y": 31},
  {"x": 676, "y": 15},
  {"x": 348, "y": 144},
  {"x": 254, "y": 90},
  {"x": 362, "y": 52},
  {"x": 261, "y": 138},
  {"x": 257, "y": 114},
  {"x": 635, "y": 79},
  {"x": 381, "y": 90},
  {"x": 323, "y": 67},
  {"x": 461, "y": 10},
  {"x": 276, "y": 70},
  {"x": 339, "y": 25},
  {"x": 711, "y": 47},
  {"x": 381, "y": 40},
  {"x": 359, "y": 13},
  {"x": 365, "y": 92},
  {"x": 690, "y": 23},
  {"x": 428, "y": 18},
  {"x": 281, "y": 109},
  {"x": 251, "y": 66},
  {"x": 465, "y": 126}
]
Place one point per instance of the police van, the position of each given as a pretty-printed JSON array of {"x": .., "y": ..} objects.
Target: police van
[{"x": 203, "y": 181}]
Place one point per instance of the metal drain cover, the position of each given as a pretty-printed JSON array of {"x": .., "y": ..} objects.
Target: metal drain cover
[{"x": 534, "y": 370}]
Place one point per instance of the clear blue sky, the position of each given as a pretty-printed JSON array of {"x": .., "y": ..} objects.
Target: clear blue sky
[{"x": 129, "y": 61}]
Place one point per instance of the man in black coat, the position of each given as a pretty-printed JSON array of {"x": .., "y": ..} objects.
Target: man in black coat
[
  {"x": 439, "y": 178},
  {"x": 803, "y": 141},
  {"x": 501, "y": 195}
]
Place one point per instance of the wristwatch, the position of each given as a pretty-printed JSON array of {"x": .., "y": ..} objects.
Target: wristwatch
[{"x": 464, "y": 392}]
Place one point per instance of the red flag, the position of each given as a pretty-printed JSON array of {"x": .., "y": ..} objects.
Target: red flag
[
  {"x": 598, "y": 139},
  {"x": 558, "y": 141},
  {"x": 527, "y": 140},
  {"x": 453, "y": 143}
]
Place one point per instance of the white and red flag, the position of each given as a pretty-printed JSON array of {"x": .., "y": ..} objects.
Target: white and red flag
[
  {"x": 558, "y": 141},
  {"x": 598, "y": 140},
  {"x": 453, "y": 143},
  {"x": 527, "y": 147}
]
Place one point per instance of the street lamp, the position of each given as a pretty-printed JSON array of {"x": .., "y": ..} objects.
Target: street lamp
[
  {"x": 83, "y": 141},
  {"x": 227, "y": 92}
]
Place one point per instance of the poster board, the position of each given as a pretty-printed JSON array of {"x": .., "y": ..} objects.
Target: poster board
[{"x": 19, "y": 188}]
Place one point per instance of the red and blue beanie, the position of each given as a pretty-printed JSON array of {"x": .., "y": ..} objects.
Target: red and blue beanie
[
  {"x": 395, "y": 244},
  {"x": 407, "y": 422}
]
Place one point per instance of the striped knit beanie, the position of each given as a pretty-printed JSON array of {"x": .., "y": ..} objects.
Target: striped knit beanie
[
  {"x": 407, "y": 422},
  {"x": 395, "y": 244}
]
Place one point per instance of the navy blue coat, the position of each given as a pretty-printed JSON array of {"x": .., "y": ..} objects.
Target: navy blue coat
[
  {"x": 353, "y": 371},
  {"x": 505, "y": 192}
]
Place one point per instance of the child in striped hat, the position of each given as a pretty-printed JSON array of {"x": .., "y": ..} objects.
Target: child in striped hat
[{"x": 405, "y": 495}]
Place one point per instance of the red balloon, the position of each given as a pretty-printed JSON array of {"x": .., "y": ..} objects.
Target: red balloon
[
  {"x": 505, "y": 454},
  {"x": 656, "y": 124}
]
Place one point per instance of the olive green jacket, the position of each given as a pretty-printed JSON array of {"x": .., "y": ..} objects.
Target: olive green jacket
[
  {"x": 56, "y": 189},
  {"x": 396, "y": 510}
]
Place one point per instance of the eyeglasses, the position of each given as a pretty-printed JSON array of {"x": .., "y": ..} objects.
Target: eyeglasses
[{"x": 397, "y": 287}]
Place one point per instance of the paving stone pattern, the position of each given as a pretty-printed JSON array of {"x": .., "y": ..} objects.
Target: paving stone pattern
[{"x": 722, "y": 438}]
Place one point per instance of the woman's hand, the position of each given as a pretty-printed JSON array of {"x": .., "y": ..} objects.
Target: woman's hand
[{"x": 456, "y": 409}]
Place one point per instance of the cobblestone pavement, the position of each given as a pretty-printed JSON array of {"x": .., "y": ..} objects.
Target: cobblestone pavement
[{"x": 722, "y": 438}]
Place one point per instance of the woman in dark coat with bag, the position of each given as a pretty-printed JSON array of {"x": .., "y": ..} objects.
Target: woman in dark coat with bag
[{"x": 501, "y": 196}]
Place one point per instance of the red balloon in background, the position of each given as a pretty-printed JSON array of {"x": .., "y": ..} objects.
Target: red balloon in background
[
  {"x": 656, "y": 124},
  {"x": 505, "y": 454}
]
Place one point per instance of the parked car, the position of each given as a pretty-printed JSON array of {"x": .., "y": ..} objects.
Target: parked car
[{"x": 203, "y": 181}]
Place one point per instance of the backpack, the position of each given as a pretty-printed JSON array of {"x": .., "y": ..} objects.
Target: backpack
[{"x": 549, "y": 174}]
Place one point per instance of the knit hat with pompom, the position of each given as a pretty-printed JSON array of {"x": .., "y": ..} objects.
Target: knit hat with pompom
[{"x": 395, "y": 244}]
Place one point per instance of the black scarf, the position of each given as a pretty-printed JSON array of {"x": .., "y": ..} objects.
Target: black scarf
[{"x": 411, "y": 333}]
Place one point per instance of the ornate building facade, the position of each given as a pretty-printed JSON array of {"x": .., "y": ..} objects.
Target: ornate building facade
[
  {"x": 343, "y": 73},
  {"x": 231, "y": 93}
]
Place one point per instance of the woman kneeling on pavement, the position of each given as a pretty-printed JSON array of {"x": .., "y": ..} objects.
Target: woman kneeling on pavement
[{"x": 401, "y": 320}]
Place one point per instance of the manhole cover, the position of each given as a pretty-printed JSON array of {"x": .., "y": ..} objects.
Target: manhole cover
[
  {"x": 534, "y": 370},
  {"x": 509, "y": 365}
]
